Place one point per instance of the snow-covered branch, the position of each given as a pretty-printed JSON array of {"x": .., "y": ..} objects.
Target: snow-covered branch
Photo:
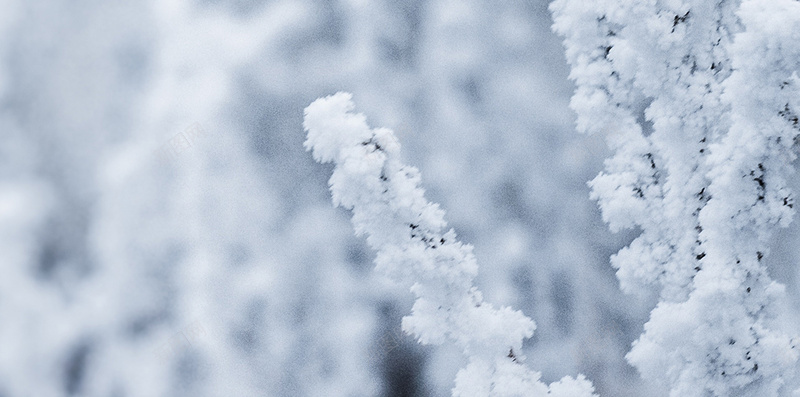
[
  {"x": 415, "y": 248},
  {"x": 717, "y": 84}
]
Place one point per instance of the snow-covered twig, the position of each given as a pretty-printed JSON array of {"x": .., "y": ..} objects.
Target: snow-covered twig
[{"x": 415, "y": 248}]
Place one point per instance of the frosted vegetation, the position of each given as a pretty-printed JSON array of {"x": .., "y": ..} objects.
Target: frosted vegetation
[
  {"x": 165, "y": 233},
  {"x": 707, "y": 185},
  {"x": 414, "y": 249}
]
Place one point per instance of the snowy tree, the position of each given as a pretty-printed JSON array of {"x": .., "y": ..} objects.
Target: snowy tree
[
  {"x": 217, "y": 266},
  {"x": 139, "y": 260},
  {"x": 701, "y": 98},
  {"x": 269, "y": 326},
  {"x": 413, "y": 248}
]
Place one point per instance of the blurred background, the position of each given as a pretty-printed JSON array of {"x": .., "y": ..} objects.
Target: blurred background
[{"x": 164, "y": 233}]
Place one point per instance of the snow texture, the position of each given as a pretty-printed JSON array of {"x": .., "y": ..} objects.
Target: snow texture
[
  {"x": 415, "y": 249},
  {"x": 702, "y": 98}
]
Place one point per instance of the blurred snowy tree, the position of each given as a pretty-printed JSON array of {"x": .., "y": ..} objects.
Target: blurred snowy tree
[{"x": 221, "y": 268}]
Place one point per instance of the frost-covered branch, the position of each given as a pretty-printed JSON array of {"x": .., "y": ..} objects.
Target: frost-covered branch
[
  {"x": 718, "y": 83},
  {"x": 415, "y": 248}
]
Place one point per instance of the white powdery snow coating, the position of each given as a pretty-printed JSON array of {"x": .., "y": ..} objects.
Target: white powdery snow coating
[
  {"x": 416, "y": 249},
  {"x": 719, "y": 88}
]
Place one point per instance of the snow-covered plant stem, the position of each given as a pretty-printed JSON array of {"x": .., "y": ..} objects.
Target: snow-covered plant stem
[
  {"x": 717, "y": 83},
  {"x": 415, "y": 249}
]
